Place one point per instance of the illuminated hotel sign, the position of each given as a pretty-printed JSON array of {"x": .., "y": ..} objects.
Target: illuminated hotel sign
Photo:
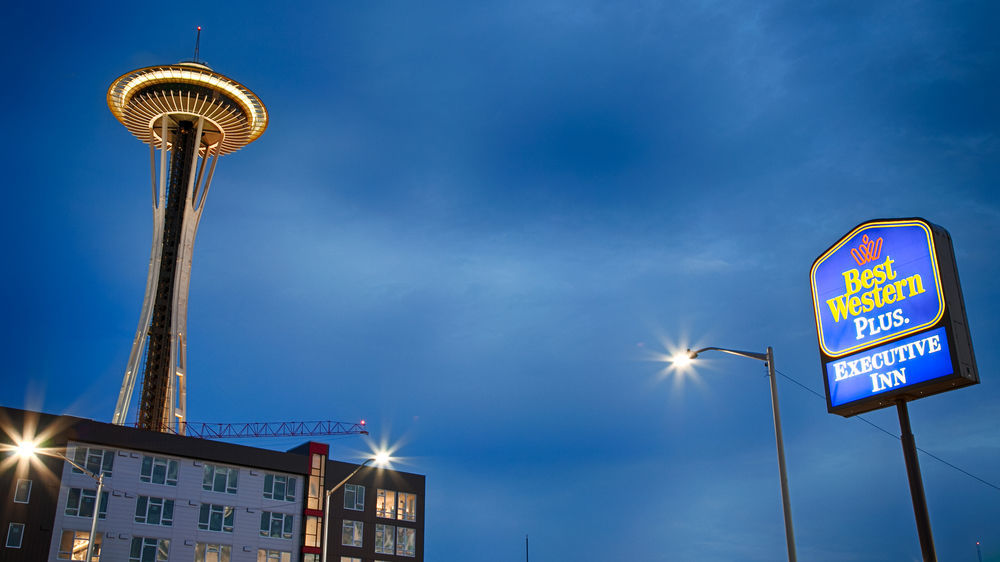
[{"x": 890, "y": 317}]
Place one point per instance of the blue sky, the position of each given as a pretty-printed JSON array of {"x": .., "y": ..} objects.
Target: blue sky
[{"x": 475, "y": 224}]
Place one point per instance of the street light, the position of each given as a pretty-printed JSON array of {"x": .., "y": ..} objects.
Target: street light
[
  {"x": 380, "y": 459},
  {"x": 27, "y": 450},
  {"x": 684, "y": 359}
]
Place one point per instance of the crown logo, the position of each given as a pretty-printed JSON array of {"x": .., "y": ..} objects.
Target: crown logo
[{"x": 868, "y": 251}]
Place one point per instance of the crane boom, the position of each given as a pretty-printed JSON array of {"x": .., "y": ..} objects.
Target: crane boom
[{"x": 271, "y": 429}]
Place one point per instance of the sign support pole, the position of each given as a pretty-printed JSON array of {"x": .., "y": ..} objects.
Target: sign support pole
[{"x": 916, "y": 483}]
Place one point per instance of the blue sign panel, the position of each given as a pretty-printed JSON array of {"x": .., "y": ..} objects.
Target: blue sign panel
[
  {"x": 877, "y": 284},
  {"x": 890, "y": 319},
  {"x": 912, "y": 360}
]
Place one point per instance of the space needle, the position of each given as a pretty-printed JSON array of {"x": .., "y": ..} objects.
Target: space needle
[{"x": 190, "y": 115}]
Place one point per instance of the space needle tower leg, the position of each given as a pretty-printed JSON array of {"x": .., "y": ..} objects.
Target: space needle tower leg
[{"x": 135, "y": 357}]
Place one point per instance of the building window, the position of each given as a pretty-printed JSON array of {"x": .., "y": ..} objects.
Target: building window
[
  {"x": 317, "y": 474},
  {"x": 354, "y": 497},
  {"x": 158, "y": 470},
  {"x": 149, "y": 550},
  {"x": 220, "y": 479},
  {"x": 276, "y": 525},
  {"x": 352, "y": 533},
  {"x": 80, "y": 503},
  {"x": 406, "y": 541},
  {"x": 349, "y": 559},
  {"x": 154, "y": 511},
  {"x": 73, "y": 546},
  {"x": 385, "y": 539},
  {"x": 273, "y": 556},
  {"x": 216, "y": 518},
  {"x": 15, "y": 534},
  {"x": 385, "y": 504},
  {"x": 278, "y": 487},
  {"x": 206, "y": 552},
  {"x": 406, "y": 506},
  {"x": 310, "y": 557},
  {"x": 94, "y": 460},
  {"x": 23, "y": 491},
  {"x": 312, "y": 530}
]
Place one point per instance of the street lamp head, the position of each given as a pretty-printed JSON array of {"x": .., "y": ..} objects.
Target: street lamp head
[
  {"x": 683, "y": 359},
  {"x": 382, "y": 458},
  {"x": 26, "y": 449}
]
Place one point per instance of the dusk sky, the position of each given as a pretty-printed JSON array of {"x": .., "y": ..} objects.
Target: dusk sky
[{"x": 478, "y": 226}]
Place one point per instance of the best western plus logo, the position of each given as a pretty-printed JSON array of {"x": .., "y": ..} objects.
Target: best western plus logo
[{"x": 877, "y": 284}]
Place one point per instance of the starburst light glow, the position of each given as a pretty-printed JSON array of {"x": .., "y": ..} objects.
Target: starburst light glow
[
  {"x": 681, "y": 359},
  {"x": 26, "y": 449},
  {"x": 382, "y": 458}
]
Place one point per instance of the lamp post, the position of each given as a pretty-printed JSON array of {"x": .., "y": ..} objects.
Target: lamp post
[
  {"x": 378, "y": 459},
  {"x": 767, "y": 358},
  {"x": 27, "y": 449}
]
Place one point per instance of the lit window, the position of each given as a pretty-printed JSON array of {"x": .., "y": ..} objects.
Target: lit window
[
  {"x": 406, "y": 541},
  {"x": 205, "y": 552},
  {"x": 220, "y": 479},
  {"x": 23, "y": 491},
  {"x": 312, "y": 530},
  {"x": 349, "y": 559},
  {"x": 158, "y": 470},
  {"x": 278, "y": 487},
  {"x": 276, "y": 525},
  {"x": 80, "y": 503},
  {"x": 15, "y": 534},
  {"x": 385, "y": 504},
  {"x": 354, "y": 497},
  {"x": 73, "y": 546},
  {"x": 310, "y": 557},
  {"x": 385, "y": 539},
  {"x": 149, "y": 550},
  {"x": 352, "y": 533},
  {"x": 154, "y": 511},
  {"x": 94, "y": 460},
  {"x": 406, "y": 507},
  {"x": 216, "y": 518},
  {"x": 317, "y": 473},
  {"x": 273, "y": 556}
]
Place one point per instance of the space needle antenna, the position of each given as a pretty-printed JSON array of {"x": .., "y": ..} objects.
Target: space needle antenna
[{"x": 197, "y": 44}]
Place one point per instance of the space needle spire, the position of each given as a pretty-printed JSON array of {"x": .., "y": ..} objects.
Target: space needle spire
[{"x": 189, "y": 115}]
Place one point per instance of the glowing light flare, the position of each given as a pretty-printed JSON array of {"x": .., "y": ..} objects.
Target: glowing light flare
[
  {"x": 676, "y": 357},
  {"x": 26, "y": 449},
  {"x": 26, "y": 453},
  {"x": 681, "y": 359},
  {"x": 383, "y": 452},
  {"x": 677, "y": 367},
  {"x": 384, "y": 455},
  {"x": 382, "y": 458},
  {"x": 25, "y": 439}
]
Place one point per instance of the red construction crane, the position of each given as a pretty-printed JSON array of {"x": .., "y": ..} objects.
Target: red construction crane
[{"x": 270, "y": 429}]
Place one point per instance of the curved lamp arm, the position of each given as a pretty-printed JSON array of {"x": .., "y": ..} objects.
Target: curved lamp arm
[{"x": 747, "y": 354}]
